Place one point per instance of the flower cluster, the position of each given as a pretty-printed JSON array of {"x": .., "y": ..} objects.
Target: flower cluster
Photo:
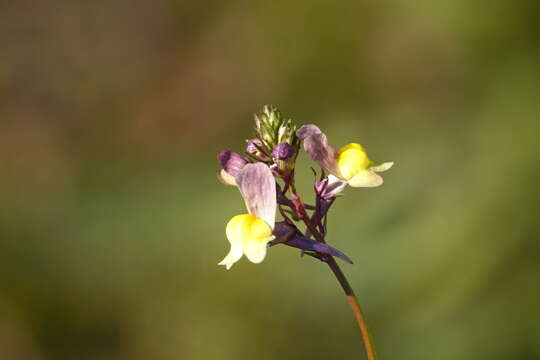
[{"x": 271, "y": 156}]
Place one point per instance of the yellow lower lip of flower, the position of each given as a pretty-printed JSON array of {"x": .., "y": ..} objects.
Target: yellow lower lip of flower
[
  {"x": 248, "y": 235},
  {"x": 352, "y": 160},
  {"x": 247, "y": 228}
]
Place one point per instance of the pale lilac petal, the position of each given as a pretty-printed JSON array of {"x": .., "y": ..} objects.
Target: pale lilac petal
[
  {"x": 231, "y": 162},
  {"x": 307, "y": 131},
  {"x": 258, "y": 188},
  {"x": 317, "y": 146}
]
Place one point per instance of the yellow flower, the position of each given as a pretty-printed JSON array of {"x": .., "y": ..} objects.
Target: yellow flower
[
  {"x": 350, "y": 164},
  {"x": 250, "y": 233}
]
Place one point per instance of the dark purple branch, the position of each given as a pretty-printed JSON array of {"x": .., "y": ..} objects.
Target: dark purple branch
[{"x": 304, "y": 243}]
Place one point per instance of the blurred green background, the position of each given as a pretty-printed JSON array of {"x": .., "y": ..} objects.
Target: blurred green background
[{"x": 112, "y": 221}]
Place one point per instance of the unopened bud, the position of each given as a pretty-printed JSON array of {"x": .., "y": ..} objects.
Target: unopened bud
[
  {"x": 283, "y": 151},
  {"x": 257, "y": 149},
  {"x": 272, "y": 129}
]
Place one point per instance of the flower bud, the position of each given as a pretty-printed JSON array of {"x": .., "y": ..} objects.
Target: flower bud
[
  {"x": 255, "y": 148},
  {"x": 283, "y": 151},
  {"x": 276, "y": 138},
  {"x": 272, "y": 129},
  {"x": 284, "y": 156}
]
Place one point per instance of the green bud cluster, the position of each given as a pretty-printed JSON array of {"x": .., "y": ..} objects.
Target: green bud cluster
[
  {"x": 276, "y": 141},
  {"x": 272, "y": 129}
]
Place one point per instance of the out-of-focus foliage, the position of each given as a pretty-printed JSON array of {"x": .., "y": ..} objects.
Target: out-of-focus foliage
[{"x": 112, "y": 222}]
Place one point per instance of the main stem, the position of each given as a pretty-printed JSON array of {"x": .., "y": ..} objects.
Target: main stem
[
  {"x": 355, "y": 305},
  {"x": 340, "y": 276}
]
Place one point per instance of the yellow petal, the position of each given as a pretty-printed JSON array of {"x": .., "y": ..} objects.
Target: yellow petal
[
  {"x": 255, "y": 250},
  {"x": 237, "y": 249},
  {"x": 247, "y": 234},
  {"x": 366, "y": 178},
  {"x": 382, "y": 167},
  {"x": 352, "y": 160}
]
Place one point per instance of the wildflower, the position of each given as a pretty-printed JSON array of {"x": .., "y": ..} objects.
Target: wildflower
[
  {"x": 272, "y": 153},
  {"x": 250, "y": 233},
  {"x": 350, "y": 164}
]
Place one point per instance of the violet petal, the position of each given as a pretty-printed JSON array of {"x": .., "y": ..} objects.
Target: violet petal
[
  {"x": 322, "y": 152},
  {"x": 307, "y": 131},
  {"x": 231, "y": 161},
  {"x": 317, "y": 146}
]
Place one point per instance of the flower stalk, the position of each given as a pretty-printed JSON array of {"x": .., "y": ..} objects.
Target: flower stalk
[
  {"x": 367, "y": 339},
  {"x": 271, "y": 156}
]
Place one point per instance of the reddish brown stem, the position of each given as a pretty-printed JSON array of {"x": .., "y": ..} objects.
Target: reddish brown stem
[{"x": 369, "y": 347}]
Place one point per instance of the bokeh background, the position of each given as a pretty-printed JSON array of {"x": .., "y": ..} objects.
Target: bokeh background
[{"x": 112, "y": 221}]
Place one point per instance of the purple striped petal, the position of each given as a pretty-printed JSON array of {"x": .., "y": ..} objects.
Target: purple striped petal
[
  {"x": 258, "y": 188},
  {"x": 317, "y": 146},
  {"x": 231, "y": 162},
  {"x": 307, "y": 131}
]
